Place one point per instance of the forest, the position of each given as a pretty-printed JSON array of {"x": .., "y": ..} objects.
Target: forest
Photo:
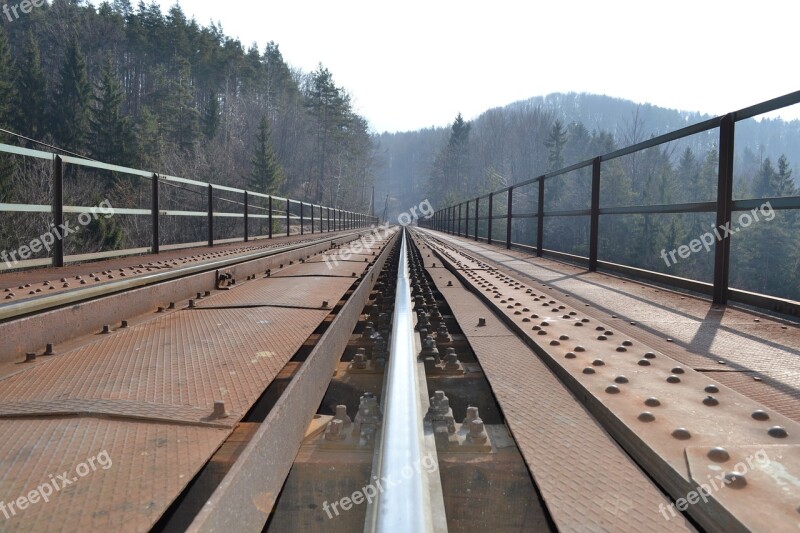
[
  {"x": 133, "y": 86},
  {"x": 518, "y": 142}
]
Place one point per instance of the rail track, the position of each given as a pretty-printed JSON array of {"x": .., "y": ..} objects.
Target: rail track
[{"x": 406, "y": 385}]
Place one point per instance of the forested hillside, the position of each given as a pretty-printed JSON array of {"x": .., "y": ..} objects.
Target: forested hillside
[
  {"x": 508, "y": 145},
  {"x": 127, "y": 84}
]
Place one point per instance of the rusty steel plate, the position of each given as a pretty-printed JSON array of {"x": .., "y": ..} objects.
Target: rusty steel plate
[
  {"x": 343, "y": 269},
  {"x": 22, "y": 285},
  {"x": 308, "y": 292},
  {"x": 776, "y": 390},
  {"x": 150, "y": 463},
  {"x": 188, "y": 357},
  {"x": 602, "y": 489},
  {"x": 654, "y": 405},
  {"x": 764, "y": 490}
]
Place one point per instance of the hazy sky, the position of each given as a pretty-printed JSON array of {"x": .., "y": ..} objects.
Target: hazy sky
[{"x": 414, "y": 64}]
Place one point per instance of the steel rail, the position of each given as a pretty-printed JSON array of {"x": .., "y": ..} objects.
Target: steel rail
[
  {"x": 404, "y": 505},
  {"x": 43, "y": 303}
]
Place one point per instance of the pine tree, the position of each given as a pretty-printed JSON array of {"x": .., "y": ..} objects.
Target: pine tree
[
  {"x": 211, "y": 117},
  {"x": 555, "y": 142},
  {"x": 33, "y": 85},
  {"x": 180, "y": 114},
  {"x": 74, "y": 93},
  {"x": 763, "y": 186},
  {"x": 148, "y": 141},
  {"x": 111, "y": 141},
  {"x": 783, "y": 184},
  {"x": 267, "y": 175}
]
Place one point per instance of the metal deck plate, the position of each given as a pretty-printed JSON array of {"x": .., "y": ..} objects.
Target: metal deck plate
[
  {"x": 344, "y": 269},
  {"x": 307, "y": 292},
  {"x": 586, "y": 480}
]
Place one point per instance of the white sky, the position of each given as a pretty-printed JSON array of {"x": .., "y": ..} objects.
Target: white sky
[{"x": 415, "y": 64}]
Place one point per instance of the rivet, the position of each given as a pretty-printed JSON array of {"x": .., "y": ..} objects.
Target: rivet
[
  {"x": 777, "y": 432},
  {"x": 602, "y": 338},
  {"x": 554, "y": 343},
  {"x": 718, "y": 454},
  {"x": 609, "y": 333},
  {"x": 682, "y": 434},
  {"x": 678, "y": 370},
  {"x": 735, "y": 481},
  {"x": 191, "y": 304},
  {"x": 171, "y": 305},
  {"x": 612, "y": 389},
  {"x": 647, "y": 416},
  {"x": 481, "y": 322},
  {"x": 644, "y": 362},
  {"x": 536, "y": 328},
  {"x": 123, "y": 324},
  {"x": 622, "y": 349},
  {"x": 711, "y": 389},
  {"x": 600, "y": 328},
  {"x": 710, "y": 401},
  {"x": 542, "y": 332},
  {"x": 585, "y": 320},
  {"x": 652, "y": 402},
  {"x": 30, "y": 357},
  {"x": 649, "y": 355},
  {"x": 627, "y": 343},
  {"x": 570, "y": 355},
  {"x": 579, "y": 324},
  {"x": 673, "y": 379},
  {"x": 580, "y": 348},
  {"x": 49, "y": 349},
  {"x": 106, "y": 329},
  {"x": 588, "y": 370},
  {"x": 760, "y": 415},
  {"x": 160, "y": 310},
  {"x": 598, "y": 362},
  {"x": 621, "y": 379},
  {"x": 564, "y": 337},
  {"x": 669, "y": 340}
]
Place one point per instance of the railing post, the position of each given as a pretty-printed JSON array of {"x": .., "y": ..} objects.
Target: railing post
[
  {"x": 466, "y": 220},
  {"x": 312, "y": 219},
  {"x": 154, "y": 215},
  {"x": 459, "y": 218},
  {"x": 270, "y": 217},
  {"x": 288, "y": 219},
  {"x": 302, "y": 229},
  {"x": 722, "y": 249},
  {"x": 328, "y": 224},
  {"x": 246, "y": 228},
  {"x": 509, "y": 216},
  {"x": 210, "y": 215},
  {"x": 58, "y": 209},
  {"x": 477, "y": 216},
  {"x": 594, "y": 223},
  {"x": 540, "y": 220},
  {"x": 491, "y": 208}
]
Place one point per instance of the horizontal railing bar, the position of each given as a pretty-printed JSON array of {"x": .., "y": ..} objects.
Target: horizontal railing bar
[
  {"x": 694, "y": 129},
  {"x": 768, "y": 106},
  {"x": 104, "y": 166},
  {"x": 569, "y": 213},
  {"x": 787, "y": 202},
  {"x": 694, "y": 207}
]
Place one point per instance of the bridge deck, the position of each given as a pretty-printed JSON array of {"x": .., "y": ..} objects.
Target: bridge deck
[{"x": 756, "y": 355}]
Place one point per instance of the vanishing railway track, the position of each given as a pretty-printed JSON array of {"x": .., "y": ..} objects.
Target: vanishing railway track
[{"x": 366, "y": 382}]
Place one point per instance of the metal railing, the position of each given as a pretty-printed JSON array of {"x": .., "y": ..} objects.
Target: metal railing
[
  {"x": 321, "y": 219},
  {"x": 455, "y": 219}
]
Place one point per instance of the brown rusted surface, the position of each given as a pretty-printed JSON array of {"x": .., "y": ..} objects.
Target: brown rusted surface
[
  {"x": 249, "y": 491},
  {"x": 309, "y": 292},
  {"x": 146, "y": 395},
  {"x": 85, "y": 315},
  {"x": 340, "y": 269},
  {"x": 20, "y": 285},
  {"x": 586, "y": 480},
  {"x": 765, "y": 491},
  {"x": 689, "y": 329},
  {"x": 150, "y": 464},
  {"x": 649, "y": 401}
]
